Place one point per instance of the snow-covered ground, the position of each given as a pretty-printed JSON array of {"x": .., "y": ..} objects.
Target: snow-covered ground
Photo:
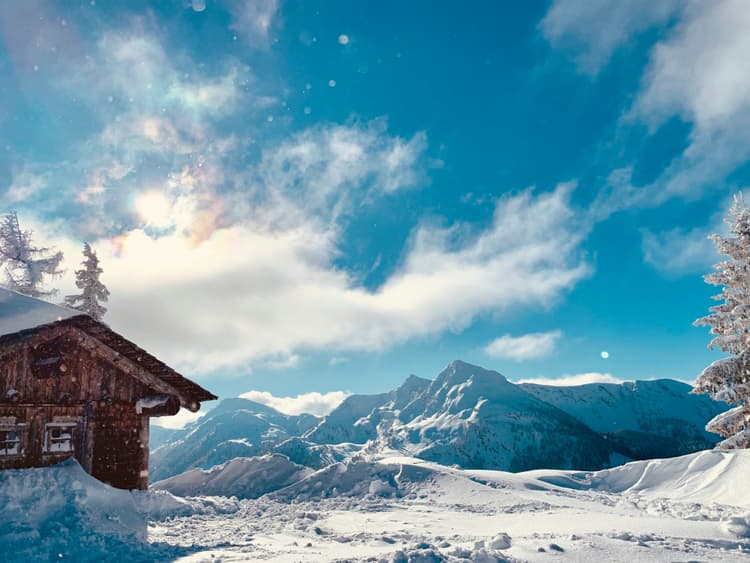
[{"x": 692, "y": 508}]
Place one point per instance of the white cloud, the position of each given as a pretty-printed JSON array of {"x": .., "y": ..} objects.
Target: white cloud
[
  {"x": 332, "y": 169},
  {"x": 526, "y": 347},
  {"x": 319, "y": 404},
  {"x": 570, "y": 380},
  {"x": 594, "y": 30},
  {"x": 180, "y": 420},
  {"x": 211, "y": 304},
  {"x": 701, "y": 73},
  {"x": 697, "y": 72},
  {"x": 283, "y": 362},
  {"x": 679, "y": 251}
]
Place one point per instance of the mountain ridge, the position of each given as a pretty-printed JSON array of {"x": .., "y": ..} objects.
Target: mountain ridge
[{"x": 467, "y": 416}]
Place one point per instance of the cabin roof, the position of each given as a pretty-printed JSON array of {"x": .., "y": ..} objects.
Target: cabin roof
[
  {"x": 20, "y": 312},
  {"x": 22, "y": 316}
]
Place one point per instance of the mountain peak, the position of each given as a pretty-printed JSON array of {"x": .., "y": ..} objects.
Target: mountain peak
[{"x": 458, "y": 370}]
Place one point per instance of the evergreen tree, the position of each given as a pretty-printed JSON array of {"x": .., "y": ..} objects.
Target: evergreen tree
[
  {"x": 729, "y": 379},
  {"x": 26, "y": 267},
  {"x": 93, "y": 291}
]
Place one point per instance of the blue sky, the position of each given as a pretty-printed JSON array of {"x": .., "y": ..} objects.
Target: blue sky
[{"x": 324, "y": 196}]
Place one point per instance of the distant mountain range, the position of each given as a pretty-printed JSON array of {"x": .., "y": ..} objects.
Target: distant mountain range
[{"x": 466, "y": 416}]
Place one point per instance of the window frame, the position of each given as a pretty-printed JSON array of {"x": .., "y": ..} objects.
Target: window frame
[
  {"x": 50, "y": 441},
  {"x": 20, "y": 429}
]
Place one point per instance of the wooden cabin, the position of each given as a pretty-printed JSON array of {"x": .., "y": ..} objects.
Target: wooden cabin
[{"x": 72, "y": 387}]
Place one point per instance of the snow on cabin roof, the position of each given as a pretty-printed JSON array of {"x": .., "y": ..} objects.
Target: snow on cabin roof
[{"x": 20, "y": 312}]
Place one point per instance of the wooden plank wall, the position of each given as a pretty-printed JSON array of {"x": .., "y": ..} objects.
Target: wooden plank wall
[{"x": 58, "y": 378}]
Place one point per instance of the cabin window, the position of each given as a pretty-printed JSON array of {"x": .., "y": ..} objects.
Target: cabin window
[
  {"x": 58, "y": 437},
  {"x": 11, "y": 440}
]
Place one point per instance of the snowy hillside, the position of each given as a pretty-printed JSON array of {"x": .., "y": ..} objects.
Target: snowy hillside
[
  {"x": 467, "y": 416},
  {"x": 394, "y": 509},
  {"x": 240, "y": 477}
]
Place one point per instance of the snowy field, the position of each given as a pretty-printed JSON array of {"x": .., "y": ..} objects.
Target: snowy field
[{"x": 692, "y": 508}]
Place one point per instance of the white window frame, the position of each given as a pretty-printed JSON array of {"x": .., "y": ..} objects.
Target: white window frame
[
  {"x": 59, "y": 444},
  {"x": 18, "y": 449}
]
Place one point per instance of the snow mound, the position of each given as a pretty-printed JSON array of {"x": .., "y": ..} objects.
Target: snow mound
[
  {"x": 358, "y": 477},
  {"x": 707, "y": 477},
  {"x": 61, "y": 512},
  {"x": 244, "y": 478},
  {"x": 483, "y": 552}
]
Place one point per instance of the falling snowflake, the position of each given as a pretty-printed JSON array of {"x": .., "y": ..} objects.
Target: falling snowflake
[
  {"x": 332, "y": 83},
  {"x": 343, "y": 39}
]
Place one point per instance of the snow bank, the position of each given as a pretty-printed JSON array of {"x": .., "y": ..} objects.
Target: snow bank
[
  {"x": 243, "y": 478},
  {"x": 62, "y": 513},
  {"x": 359, "y": 477},
  {"x": 483, "y": 552},
  {"x": 711, "y": 476}
]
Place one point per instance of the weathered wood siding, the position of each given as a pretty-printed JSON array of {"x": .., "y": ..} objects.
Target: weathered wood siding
[
  {"x": 46, "y": 383},
  {"x": 79, "y": 376}
]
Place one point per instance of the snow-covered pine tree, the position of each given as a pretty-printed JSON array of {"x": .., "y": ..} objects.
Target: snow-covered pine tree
[
  {"x": 93, "y": 291},
  {"x": 27, "y": 267},
  {"x": 728, "y": 379}
]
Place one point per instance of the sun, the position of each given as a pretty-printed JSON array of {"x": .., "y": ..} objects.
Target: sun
[{"x": 154, "y": 209}]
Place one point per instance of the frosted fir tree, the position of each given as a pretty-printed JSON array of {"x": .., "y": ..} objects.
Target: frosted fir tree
[
  {"x": 93, "y": 291},
  {"x": 26, "y": 267},
  {"x": 728, "y": 379}
]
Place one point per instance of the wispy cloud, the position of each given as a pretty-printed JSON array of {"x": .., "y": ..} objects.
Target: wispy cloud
[
  {"x": 525, "y": 347},
  {"x": 678, "y": 251},
  {"x": 155, "y": 128},
  {"x": 319, "y": 404},
  {"x": 252, "y": 19},
  {"x": 697, "y": 72},
  {"x": 330, "y": 169},
  {"x": 593, "y": 31},
  {"x": 700, "y": 73}
]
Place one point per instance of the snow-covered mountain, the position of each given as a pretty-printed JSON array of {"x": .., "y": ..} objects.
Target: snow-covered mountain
[
  {"x": 476, "y": 418},
  {"x": 357, "y": 418},
  {"x": 235, "y": 428},
  {"x": 644, "y": 419},
  {"x": 467, "y": 416}
]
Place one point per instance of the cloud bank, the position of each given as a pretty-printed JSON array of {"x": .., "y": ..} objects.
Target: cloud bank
[
  {"x": 570, "y": 380},
  {"x": 319, "y": 404}
]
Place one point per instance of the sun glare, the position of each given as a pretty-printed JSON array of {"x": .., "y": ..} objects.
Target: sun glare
[{"x": 154, "y": 209}]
